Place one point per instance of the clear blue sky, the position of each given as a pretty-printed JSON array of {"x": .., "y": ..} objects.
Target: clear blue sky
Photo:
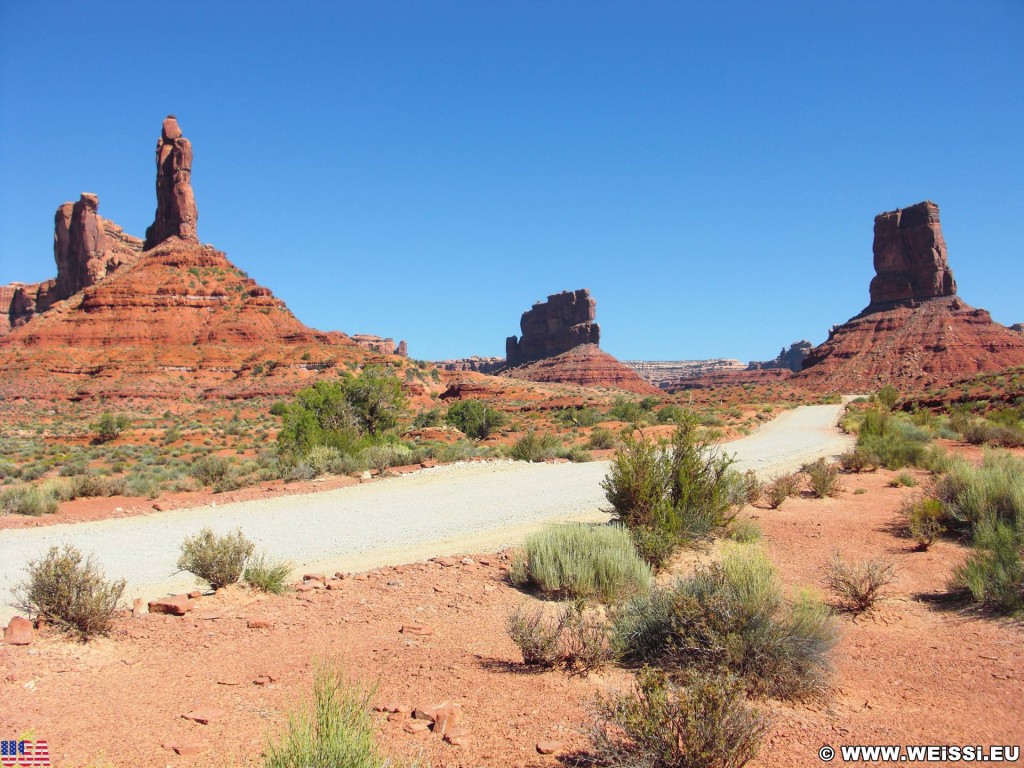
[{"x": 428, "y": 170}]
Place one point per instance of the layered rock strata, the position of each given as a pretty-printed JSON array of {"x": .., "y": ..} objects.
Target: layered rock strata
[
  {"x": 791, "y": 359},
  {"x": 910, "y": 257},
  {"x": 550, "y": 328}
]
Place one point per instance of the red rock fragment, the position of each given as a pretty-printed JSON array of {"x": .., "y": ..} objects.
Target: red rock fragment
[
  {"x": 19, "y": 632},
  {"x": 419, "y": 630},
  {"x": 204, "y": 715},
  {"x": 415, "y": 726},
  {"x": 259, "y": 622},
  {"x": 549, "y": 747},
  {"x": 186, "y": 748},
  {"x": 178, "y": 605}
]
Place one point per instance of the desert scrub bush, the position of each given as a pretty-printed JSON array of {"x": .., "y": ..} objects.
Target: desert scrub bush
[
  {"x": 209, "y": 470},
  {"x": 110, "y": 426},
  {"x": 824, "y": 478},
  {"x": 266, "y": 574},
  {"x": 704, "y": 723},
  {"x": 474, "y": 419},
  {"x": 575, "y": 453},
  {"x": 994, "y": 572},
  {"x": 28, "y": 500},
  {"x": 69, "y": 591},
  {"x": 923, "y": 518},
  {"x": 859, "y": 585},
  {"x": 576, "y": 560},
  {"x": 601, "y": 438},
  {"x": 886, "y": 397},
  {"x": 681, "y": 490},
  {"x": 745, "y": 531},
  {"x": 890, "y": 440},
  {"x": 731, "y": 615},
  {"x": 337, "y": 730},
  {"x": 753, "y": 487},
  {"x": 322, "y": 459},
  {"x": 534, "y": 447},
  {"x": 991, "y": 492},
  {"x": 576, "y": 638},
  {"x": 218, "y": 560},
  {"x": 904, "y": 480},
  {"x": 536, "y": 636},
  {"x": 780, "y": 489}
]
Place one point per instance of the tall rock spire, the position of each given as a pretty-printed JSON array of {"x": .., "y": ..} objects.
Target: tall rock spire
[{"x": 176, "y": 214}]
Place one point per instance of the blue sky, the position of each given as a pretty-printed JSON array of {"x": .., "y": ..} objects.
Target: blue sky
[{"x": 428, "y": 170}]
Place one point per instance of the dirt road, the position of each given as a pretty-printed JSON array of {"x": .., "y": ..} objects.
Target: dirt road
[{"x": 439, "y": 511}]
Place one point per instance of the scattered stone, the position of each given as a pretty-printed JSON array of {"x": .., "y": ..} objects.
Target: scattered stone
[
  {"x": 396, "y": 583},
  {"x": 137, "y": 605},
  {"x": 264, "y": 680},
  {"x": 19, "y": 632},
  {"x": 489, "y": 587},
  {"x": 446, "y": 716},
  {"x": 205, "y": 715},
  {"x": 158, "y": 507},
  {"x": 186, "y": 748},
  {"x": 468, "y": 561},
  {"x": 304, "y": 587},
  {"x": 445, "y": 562},
  {"x": 314, "y": 577},
  {"x": 260, "y": 622},
  {"x": 340, "y": 576},
  {"x": 416, "y": 726},
  {"x": 484, "y": 561},
  {"x": 395, "y": 717},
  {"x": 457, "y": 736},
  {"x": 362, "y": 577},
  {"x": 178, "y": 605},
  {"x": 195, "y": 594},
  {"x": 420, "y": 630},
  {"x": 333, "y": 584},
  {"x": 549, "y": 747}
]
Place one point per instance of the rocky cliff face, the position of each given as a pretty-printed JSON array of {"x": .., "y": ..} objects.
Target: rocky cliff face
[
  {"x": 477, "y": 364},
  {"x": 380, "y": 345},
  {"x": 586, "y": 365},
  {"x": 910, "y": 257},
  {"x": 176, "y": 213},
  {"x": 86, "y": 248},
  {"x": 550, "y": 328},
  {"x": 915, "y": 331},
  {"x": 791, "y": 359},
  {"x": 669, "y": 374}
]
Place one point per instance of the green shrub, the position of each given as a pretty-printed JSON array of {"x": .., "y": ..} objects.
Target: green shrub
[
  {"x": 337, "y": 730},
  {"x": 433, "y": 417},
  {"x": 110, "y": 426},
  {"x": 780, "y": 489},
  {"x": 731, "y": 615},
  {"x": 27, "y": 500},
  {"x": 577, "y": 560},
  {"x": 576, "y": 638},
  {"x": 266, "y": 574},
  {"x": 575, "y": 453},
  {"x": 745, "y": 531},
  {"x": 578, "y": 417},
  {"x": 753, "y": 487},
  {"x": 857, "y": 461},
  {"x": 903, "y": 479},
  {"x": 858, "y": 586},
  {"x": 626, "y": 410},
  {"x": 322, "y": 459},
  {"x": 990, "y": 493},
  {"x": 211, "y": 469},
  {"x": 681, "y": 490},
  {"x": 924, "y": 521},
  {"x": 71, "y": 592},
  {"x": 994, "y": 572},
  {"x": 534, "y": 447},
  {"x": 704, "y": 723},
  {"x": 474, "y": 419},
  {"x": 376, "y": 399},
  {"x": 824, "y": 479},
  {"x": 601, "y": 438},
  {"x": 887, "y": 396},
  {"x": 218, "y": 560},
  {"x": 891, "y": 441},
  {"x": 672, "y": 414}
]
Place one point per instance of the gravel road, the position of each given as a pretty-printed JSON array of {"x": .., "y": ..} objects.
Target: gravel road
[{"x": 438, "y": 511}]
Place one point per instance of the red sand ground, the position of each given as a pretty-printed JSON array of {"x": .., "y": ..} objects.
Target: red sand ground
[{"x": 907, "y": 672}]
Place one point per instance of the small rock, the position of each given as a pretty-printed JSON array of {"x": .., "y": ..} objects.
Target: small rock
[
  {"x": 158, "y": 507},
  {"x": 178, "y": 605},
  {"x": 445, "y": 562},
  {"x": 186, "y": 748},
  {"x": 19, "y": 632},
  {"x": 362, "y": 577},
  {"x": 339, "y": 575},
  {"x": 420, "y": 630},
  {"x": 548, "y": 747},
  {"x": 484, "y": 561},
  {"x": 457, "y": 736},
  {"x": 396, "y": 583},
  {"x": 468, "y": 561},
  {"x": 415, "y": 726},
  {"x": 204, "y": 715},
  {"x": 314, "y": 577},
  {"x": 395, "y": 717},
  {"x": 195, "y": 594},
  {"x": 446, "y": 716},
  {"x": 264, "y": 680},
  {"x": 424, "y": 713},
  {"x": 489, "y": 587},
  {"x": 303, "y": 587},
  {"x": 260, "y": 622},
  {"x": 333, "y": 584},
  {"x": 137, "y": 605}
]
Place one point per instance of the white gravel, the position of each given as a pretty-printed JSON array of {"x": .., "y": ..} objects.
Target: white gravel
[{"x": 439, "y": 511}]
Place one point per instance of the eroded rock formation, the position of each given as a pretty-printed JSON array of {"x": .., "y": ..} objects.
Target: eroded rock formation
[
  {"x": 176, "y": 214},
  {"x": 669, "y": 374},
  {"x": 910, "y": 257},
  {"x": 381, "y": 345},
  {"x": 586, "y": 365},
  {"x": 791, "y": 359},
  {"x": 915, "y": 331},
  {"x": 550, "y": 328}
]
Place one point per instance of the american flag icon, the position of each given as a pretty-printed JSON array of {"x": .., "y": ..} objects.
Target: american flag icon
[{"x": 24, "y": 753}]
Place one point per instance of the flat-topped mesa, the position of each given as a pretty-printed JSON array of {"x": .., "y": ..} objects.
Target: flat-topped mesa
[
  {"x": 910, "y": 257},
  {"x": 176, "y": 214},
  {"x": 550, "y": 328}
]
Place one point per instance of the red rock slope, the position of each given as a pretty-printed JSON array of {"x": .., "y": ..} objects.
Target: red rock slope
[
  {"x": 916, "y": 331},
  {"x": 587, "y": 365}
]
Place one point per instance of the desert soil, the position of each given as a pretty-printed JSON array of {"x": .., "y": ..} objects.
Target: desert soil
[{"x": 433, "y": 512}]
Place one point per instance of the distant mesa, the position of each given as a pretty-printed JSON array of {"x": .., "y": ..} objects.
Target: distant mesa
[
  {"x": 552, "y": 327},
  {"x": 673, "y": 374},
  {"x": 381, "y": 345},
  {"x": 1018, "y": 327},
  {"x": 791, "y": 359},
  {"x": 175, "y": 319},
  {"x": 476, "y": 364},
  {"x": 915, "y": 330}
]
